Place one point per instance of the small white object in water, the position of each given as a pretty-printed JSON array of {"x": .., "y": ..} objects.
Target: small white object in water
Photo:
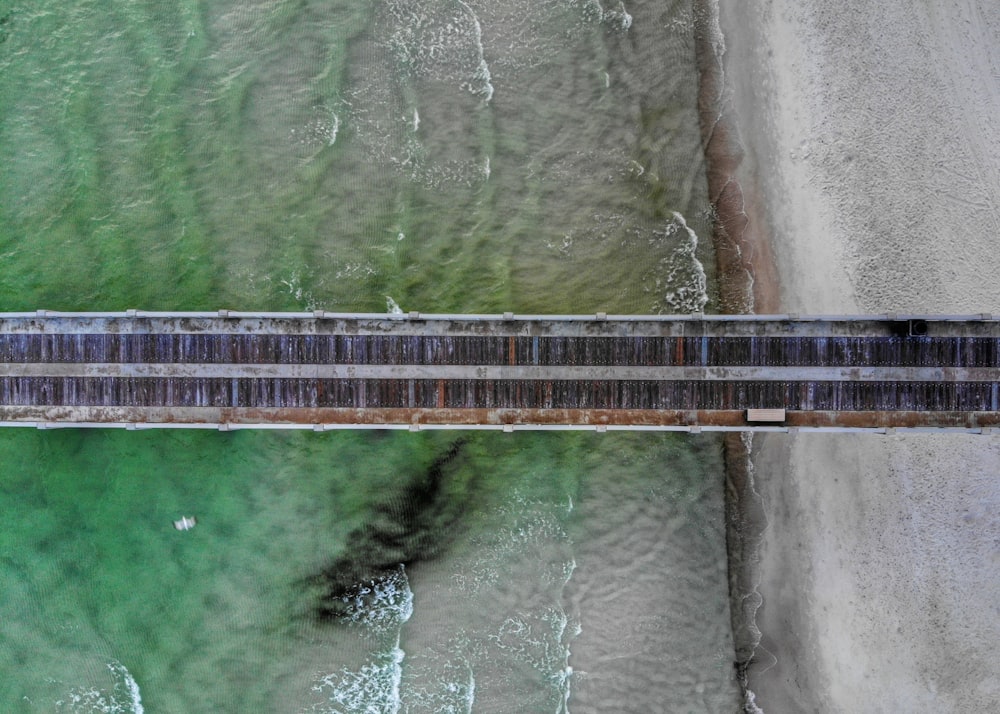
[{"x": 185, "y": 523}]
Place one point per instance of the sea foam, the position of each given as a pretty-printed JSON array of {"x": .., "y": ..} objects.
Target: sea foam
[
  {"x": 687, "y": 285},
  {"x": 372, "y": 689},
  {"x": 123, "y": 698},
  {"x": 380, "y": 606}
]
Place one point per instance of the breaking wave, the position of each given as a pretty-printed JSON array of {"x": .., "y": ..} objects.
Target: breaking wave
[
  {"x": 123, "y": 698},
  {"x": 373, "y": 689},
  {"x": 379, "y": 607},
  {"x": 684, "y": 275}
]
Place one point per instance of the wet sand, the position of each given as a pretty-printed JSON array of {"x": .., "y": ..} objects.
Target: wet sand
[{"x": 871, "y": 137}]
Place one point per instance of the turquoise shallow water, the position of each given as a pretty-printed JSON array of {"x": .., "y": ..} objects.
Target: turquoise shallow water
[{"x": 438, "y": 155}]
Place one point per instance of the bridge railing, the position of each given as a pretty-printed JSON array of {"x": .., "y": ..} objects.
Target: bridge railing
[
  {"x": 505, "y": 428},
  {"x": 494, "y": 317}
]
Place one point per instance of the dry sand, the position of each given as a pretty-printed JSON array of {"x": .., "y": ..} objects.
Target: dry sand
[{"x": 871, "y": 133}]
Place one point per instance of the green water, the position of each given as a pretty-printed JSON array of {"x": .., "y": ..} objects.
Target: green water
[
  {"x": 93, "y": 569},
  {"x": 263, "y": 156},
  {"x": 298, "y": 154}
]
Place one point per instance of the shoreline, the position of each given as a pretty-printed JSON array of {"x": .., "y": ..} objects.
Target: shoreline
[
  {"x": 863, "y": 143},
  {"x": 747, "y": 273},
  {"x": 748, "y": 283}
]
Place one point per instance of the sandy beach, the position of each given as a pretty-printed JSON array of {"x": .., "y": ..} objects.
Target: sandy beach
[{"x": 870, "y": 137}]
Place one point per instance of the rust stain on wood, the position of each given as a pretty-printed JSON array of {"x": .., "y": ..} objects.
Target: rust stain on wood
[{"x": 491, "y": 417}]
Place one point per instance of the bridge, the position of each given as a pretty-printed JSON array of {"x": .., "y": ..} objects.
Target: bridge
[{"x": 230, "y": 370}]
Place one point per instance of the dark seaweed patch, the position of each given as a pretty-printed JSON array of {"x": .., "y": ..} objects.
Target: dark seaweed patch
[{"x": 410, "y": 526}]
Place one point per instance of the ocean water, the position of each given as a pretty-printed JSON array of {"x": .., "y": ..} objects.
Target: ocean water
[{"x": 437, "y": 155}]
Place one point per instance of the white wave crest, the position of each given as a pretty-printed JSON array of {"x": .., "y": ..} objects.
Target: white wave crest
[
  {"x": 750, "y": 703},
  {"x": 124, "y": 697},
  {"x": 431, "y": 40},
  {"x": 541, "y": 640},
  {"x": 373, "y": 689},
  {"x": 483, "y": 80},
  {"x": 381, "y": 604},
  {"x": 620, "y": 19},
  {"x": 331, "y": 138},
  {"x": 687, "y": 285}
]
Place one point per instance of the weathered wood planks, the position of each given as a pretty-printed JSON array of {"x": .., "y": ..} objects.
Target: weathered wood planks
[{"x": 159, "y": 367}]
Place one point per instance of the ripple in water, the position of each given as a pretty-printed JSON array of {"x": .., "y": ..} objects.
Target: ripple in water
[
  {"x": 510, "y": 597},
  {"x": 433, "y": 683},
  {"x": 439, "y": 683}
]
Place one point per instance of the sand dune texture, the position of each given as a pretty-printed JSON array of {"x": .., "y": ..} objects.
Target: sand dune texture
[{"x": 871, "y": 138}]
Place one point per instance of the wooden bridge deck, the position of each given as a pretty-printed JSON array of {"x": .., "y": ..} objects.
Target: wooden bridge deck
[{"x": 231, "y": 370}]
